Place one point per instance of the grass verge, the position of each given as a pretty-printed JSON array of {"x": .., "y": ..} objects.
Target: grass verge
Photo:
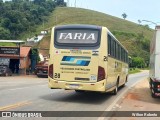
[{"x": 134, "y": 70}]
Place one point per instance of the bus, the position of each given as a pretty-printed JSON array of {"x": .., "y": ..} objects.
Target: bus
[{"x": 86, "y": 58}]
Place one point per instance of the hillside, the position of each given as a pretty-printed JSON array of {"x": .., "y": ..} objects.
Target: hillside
[{"x": 133, "y": 36}]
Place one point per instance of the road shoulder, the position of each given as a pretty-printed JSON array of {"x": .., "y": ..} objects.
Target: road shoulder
[{"x": 138, "y": 98}]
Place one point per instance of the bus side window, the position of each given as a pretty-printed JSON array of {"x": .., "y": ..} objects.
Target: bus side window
[
  {"x": 122, "y": 54},
  {"x": 116, "y": 50},
  {"x": 119, "y": 52},
  {"x": 109, "y": 45},
  {"x": 112, "y": 47}
]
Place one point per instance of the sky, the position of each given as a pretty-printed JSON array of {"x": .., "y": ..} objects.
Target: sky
[{"x": 144, "y": 10}]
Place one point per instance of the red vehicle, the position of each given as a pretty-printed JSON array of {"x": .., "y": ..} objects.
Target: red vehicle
[
  {"x": 5, "y": 71},
  {"x": 41, "y": 69}
]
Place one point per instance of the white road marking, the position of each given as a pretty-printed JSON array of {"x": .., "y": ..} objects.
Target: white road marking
[
  {"x": 17, "y": 83},
  {"x": 23, "y": 82},
  {"x": 24, "y": 87}
]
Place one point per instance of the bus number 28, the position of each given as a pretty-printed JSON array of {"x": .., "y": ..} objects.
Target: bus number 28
[{"x": 57, "y": 75}]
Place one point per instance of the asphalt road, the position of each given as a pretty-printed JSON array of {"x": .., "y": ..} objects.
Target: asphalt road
[{"x": 29, "y": 93}]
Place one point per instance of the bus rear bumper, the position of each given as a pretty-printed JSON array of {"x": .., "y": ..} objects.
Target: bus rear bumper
[{"x": 98, "y": 86}]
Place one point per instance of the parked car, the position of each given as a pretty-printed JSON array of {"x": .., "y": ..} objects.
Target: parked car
[
  {"x": 41, "y": 69},
  {"x": 5, "y": 71}
]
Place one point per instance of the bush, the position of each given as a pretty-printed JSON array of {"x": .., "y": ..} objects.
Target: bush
[{"x": 138, "y": 62}]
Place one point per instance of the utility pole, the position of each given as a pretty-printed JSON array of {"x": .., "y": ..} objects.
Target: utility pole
[
  {"x": 75, "y": 3},
  {"x": 68, "y": 3}
]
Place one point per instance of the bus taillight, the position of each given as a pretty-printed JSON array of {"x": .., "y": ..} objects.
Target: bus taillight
[
  {"x": 50, "y": 73},
  {"x": 101, "y": 73}
]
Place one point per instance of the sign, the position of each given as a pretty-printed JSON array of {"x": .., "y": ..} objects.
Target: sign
[
  {"x": 77, "y": 36},
  {"x": 10, "y": 50},
  {"x": 38, "y": 114},
  {"x": 4, "y": 61}
]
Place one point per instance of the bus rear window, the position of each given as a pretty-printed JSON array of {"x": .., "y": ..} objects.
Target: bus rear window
[{"x": 76, "y": 37}]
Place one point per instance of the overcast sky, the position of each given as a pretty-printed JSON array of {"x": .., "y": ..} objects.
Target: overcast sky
[{"x": 135, "y": 9}]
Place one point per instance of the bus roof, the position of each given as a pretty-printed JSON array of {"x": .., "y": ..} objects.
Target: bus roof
[{"x": 79, "y": 26}]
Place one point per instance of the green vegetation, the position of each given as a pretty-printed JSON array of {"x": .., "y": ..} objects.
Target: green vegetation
[
  {"x": 138, "y": 62},
  {"x": 124, "y": 15},
  {"x": 134, "y": 70},
  {"x": 137, "y": 45},
  {"x": 7, "y": 44},
  {"x": 134, "y": 37},
  {"x": 23, "y": 18},
  {"x": 19, "y": 16}
]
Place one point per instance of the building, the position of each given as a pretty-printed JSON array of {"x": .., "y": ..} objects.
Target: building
[{"x": 16, "y": 58}]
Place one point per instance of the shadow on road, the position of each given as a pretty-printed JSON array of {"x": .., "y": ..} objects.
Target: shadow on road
[
  {"x": 82, "y": 97},
  {"x": 72, "y": 96}
]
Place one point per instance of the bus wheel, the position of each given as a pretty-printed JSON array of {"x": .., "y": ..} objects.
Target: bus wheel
[
  {"x": 115, "y": 90},
  {"x": 6, "y": 74},
  {"x": 79, "y": 91},
  {"x": 125, "y": 82}
]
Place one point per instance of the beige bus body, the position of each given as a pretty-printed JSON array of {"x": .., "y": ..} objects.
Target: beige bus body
[{"x": 89, "y": 69}]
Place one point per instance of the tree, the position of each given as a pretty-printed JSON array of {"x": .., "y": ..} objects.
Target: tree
[
  {"x": 1, "y": 6},
  {"x": 146, "y": 26},
  {"x": 138, "y": 62},
  {"x": 139, "y": 21},
  {"x": 18, "y": 16},
  {"x": 39, "y": 2},
  {"x": 4, "y": 33},
  {"x": 60, "y": 3},
  {"x": 5, "y": 22},
  {"x": 124, "y": 15}
]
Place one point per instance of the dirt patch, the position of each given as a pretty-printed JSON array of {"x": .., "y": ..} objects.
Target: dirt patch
[
  {"x": 138, "y": 106},
  {"x": 132, "y": 96},
  {"x": 139, "y": 98},
  {"x": 140, "y": 92}
]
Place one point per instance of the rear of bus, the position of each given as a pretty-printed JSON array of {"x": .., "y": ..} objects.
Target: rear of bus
[{"x": 76, "y": 58}]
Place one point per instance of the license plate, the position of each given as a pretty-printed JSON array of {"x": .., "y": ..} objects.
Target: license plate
[
  {"x": 73, "y": 86},
  {"x": 76, "y": 51}
]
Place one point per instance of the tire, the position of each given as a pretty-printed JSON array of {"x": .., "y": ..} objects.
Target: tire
[
  {"x": 79, "y": 91},
  {"x": 39, "y": 76},
  {"x": 6, "y": 74},
  {"x": 125, "y": 82},
  {"x": 150, "y": 84},
  {"x": 115, "y": 90}
]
